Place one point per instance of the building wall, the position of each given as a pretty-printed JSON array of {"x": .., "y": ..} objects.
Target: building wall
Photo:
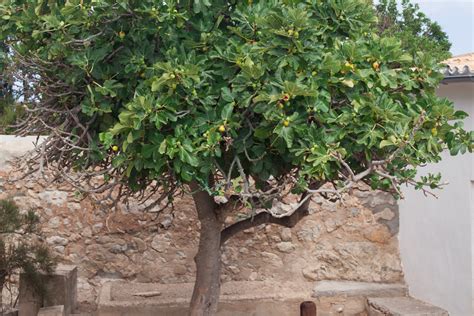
[
  {"x": 472, "y": 243},
  {"x": 436, "y": 234}
]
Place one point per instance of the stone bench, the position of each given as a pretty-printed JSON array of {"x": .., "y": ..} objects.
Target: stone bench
[{"x": 402, "y": 306}]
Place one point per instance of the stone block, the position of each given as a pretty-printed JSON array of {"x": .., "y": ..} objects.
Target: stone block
[
  {"x": 61, "y": 289},
  {"x": 57, "y": 310},
  {"x": 401, "y": 306},
  {"x": 29, "y": 302}
]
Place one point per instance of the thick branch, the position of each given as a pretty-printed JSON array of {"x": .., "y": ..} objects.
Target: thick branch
[
  {"x": 205, "y": 205},
  {"x": 267, "y": 218}
]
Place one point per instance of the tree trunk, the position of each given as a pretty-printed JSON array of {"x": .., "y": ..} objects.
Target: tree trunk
[
  {"x": 208, "y": 258},
  {"x": 1, "y": 297}
]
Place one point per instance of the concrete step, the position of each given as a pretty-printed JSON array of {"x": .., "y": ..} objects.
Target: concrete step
[
  {"x": 257, "y": 298},
  {"x": 402, "y": 306}
]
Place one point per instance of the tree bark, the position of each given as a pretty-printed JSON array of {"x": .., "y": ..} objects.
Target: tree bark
[
  {"x": 1, "y": 297},
  {"x": 208, "y": 258}
]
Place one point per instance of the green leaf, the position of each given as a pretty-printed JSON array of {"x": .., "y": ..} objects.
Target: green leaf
[
  {"x": 385, "y": 143},
  {"x": 287, "y": 133},
  {"x": 227, "y": 95},
  {"x": 186, "y": 157},
  {"x": 348, "y": 82},
  {"x": 262, "y": 132},
  {"x": 163, "y": 147},
  {"x": 331, "y": 64},
  {"x": 365, "y": 73},
  {"x": 226, "y": 112},
  {"x": 117, "y": 129},
  {"x": 322, "y": 106}
]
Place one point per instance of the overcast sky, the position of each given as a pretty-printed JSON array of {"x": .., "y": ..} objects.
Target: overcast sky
[{"x": 456, "y": 18}]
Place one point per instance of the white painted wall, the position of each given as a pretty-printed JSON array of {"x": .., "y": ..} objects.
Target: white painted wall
[
  {"x": 472, "y": 242},
  {"x": 436, "y": 235}
]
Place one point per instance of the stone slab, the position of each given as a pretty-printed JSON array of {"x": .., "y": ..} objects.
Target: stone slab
[
  {"x": 402, "y": 306},
  {"x": 349, "y": 298},
  {"x": 351, "y": 288},
  {"x": 57, "y": 310}
]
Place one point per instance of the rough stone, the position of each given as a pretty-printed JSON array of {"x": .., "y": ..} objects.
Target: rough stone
[
  {"x": 310, "y": 231},
  {"x": 180, "y": 270},
  {"x": 74, "y": 206},
  {"x": 96, "y": 228},
  {"x": 310, "y": 274},
  {"x": 57, "y": 240},
  {"x": 160, "y": 243},
  {"x": 138, "y": 244},
  {"x": 354, "y": 211},
  {"x": 87, "y": 232},
  {"x": 118, "y": 248},
  {"x": 378, "y": 234},
  {"x": 167, "y": 221},
  {"x": 53, "y": 197},
  {"x": 285, "y": 234},
  {"x": 332, "y": 224},
  {"x": 386, "y": 214},
  {"x": 54, "y": 222},
  {"x": 59, "y": 249},
  {"x": 285, "y": 246},
  {"x": 253, "y": 276}
]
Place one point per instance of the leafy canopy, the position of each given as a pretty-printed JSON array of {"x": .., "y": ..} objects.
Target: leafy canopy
[
  {"x": 8, "y": 110},
  {"x": 182, "y": 88},
  {"x": 413, "y": 28}
]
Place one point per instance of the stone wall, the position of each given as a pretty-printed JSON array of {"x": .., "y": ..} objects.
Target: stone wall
[{"x": 356, "y": 240}]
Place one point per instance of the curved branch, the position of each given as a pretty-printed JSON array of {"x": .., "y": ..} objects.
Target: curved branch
[{"x": 267, "y": 218}]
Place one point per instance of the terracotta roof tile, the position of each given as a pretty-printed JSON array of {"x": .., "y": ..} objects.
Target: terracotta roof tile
[{"x": 461, "y": 65}]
